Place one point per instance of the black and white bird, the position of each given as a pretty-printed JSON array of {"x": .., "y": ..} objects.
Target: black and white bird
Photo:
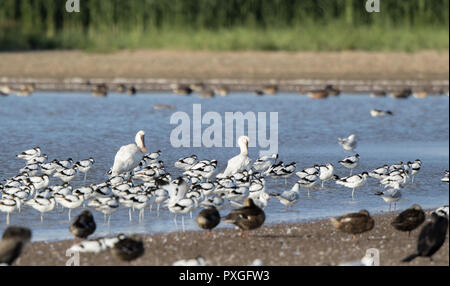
[
  {"x": 38, "y": 182},
  {"x": 415, "y": 168},
  {"x": 445, "y": 179},
  {"x": 29, "y": 154},
  {"x": 84, "y": 166},
  {"x": 352, "y": 182},
  {"x": 431, "y": 237},
  {"x": 380, "y": 113},
  {"x": 350, "y": 162},
  {"x": 380, "y": 172},
  {"x": 66, "y": 175},
  {"x": 264, "y": 162}
]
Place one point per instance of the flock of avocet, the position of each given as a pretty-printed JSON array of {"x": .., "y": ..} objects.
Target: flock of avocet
[{"x": 139, "y": 180}]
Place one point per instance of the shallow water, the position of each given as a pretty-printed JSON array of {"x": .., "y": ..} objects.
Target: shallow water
[{"x": 78, "y": 125}]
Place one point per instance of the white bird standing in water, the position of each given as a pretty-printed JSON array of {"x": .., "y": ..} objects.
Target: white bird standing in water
[
  {"x": 239, "y": 162},
  {"x": 129, "y": 156}
]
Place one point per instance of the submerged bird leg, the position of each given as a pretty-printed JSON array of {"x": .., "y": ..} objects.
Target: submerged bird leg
[
  {"x": 42, "y": 217},
  {"x": 351, "y": 171},
  {"x": 190, "y": 214},
  {"x": 129, "y": 213},
  {"x": 322, "y": 184},
  {"x": 85, "y": 174},
  {"x": 104, "y": 218},
  {"x": 182, "y": 222},
  {"x": 157, "y": 211},
  {"x": 353, "y": 194},
  {"x": 175, "y": 220},
  {"x": 151, "y": 207}
]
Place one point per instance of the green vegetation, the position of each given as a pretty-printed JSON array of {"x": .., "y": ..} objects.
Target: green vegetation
[{"x": 316, "y": 25}]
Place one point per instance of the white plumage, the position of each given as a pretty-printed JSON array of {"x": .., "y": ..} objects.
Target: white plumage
[
  {"x": 129, "y": 156},
  {"x": 239, "y": 162}
]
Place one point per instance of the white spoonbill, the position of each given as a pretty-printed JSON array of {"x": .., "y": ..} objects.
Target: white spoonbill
[
  {"x": 129, "y": 156},
  {"x": 239, "y": 162}
]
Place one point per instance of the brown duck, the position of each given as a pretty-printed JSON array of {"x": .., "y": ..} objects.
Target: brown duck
[
  {"x": 83, "y": 225},
  {"x": 128, "y": 248},
  {"x": 249, "y": 217},
  {"x": 14, "y": 240},
  {"x": 354, "y": 223},
  {"x": 208, "y": 218},
  {"x": 409, "y": 219}
]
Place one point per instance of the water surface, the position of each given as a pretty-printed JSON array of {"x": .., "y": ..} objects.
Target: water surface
[{"x": 78, "y": 125}]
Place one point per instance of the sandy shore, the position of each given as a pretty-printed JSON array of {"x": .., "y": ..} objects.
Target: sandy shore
[
  {"x": 313, "y": 243},
  {"x": 247, "y": 70}
]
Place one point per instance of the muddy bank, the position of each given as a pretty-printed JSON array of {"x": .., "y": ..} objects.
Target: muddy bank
[{"x": 314, "y": 243}]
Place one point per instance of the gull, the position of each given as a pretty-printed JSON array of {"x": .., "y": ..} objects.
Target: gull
[
  {"x": 390, "y": 196},
  {"x": 348, "y": 143},
  {"x": 350, "y": 162},
  {"x": 289, "y": 198}
]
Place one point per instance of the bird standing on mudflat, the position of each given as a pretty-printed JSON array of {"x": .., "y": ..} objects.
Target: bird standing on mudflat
[
  {"x": 128, "y": 248},
  {"x": 409, "y": 219},
  {"x": 83, "y": 225},
  {"x": 14, "y": 240},
  {"x": 208, "y": 218},
  {"x": 248, "y": 217},
  {"x": 431, "y": 237},
  {"x": 354, "y": 223}
]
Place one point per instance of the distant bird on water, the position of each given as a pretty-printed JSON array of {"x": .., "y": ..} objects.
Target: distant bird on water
[
  {"x": 208, "y": 218},
  {"x": 13, "y": 242},
  {"x": 431, "y": 237},
  {"x": 83, "y": 225},
  {"x": 246, "y": 218},
  {"x": 354, "y": 223},
  {"x": 409, "y": 219}
]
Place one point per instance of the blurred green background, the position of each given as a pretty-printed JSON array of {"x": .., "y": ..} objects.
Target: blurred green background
[{"x": 292, "y": 25}]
